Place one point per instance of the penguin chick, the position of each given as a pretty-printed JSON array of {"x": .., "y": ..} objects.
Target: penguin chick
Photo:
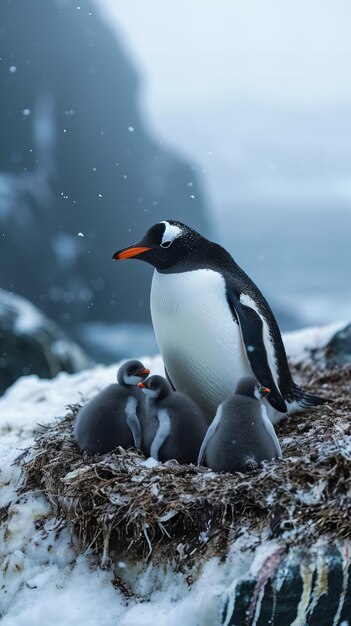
[
  {"x": 112, "y": 418},
  {"x": 174, "y": 425},
  {"x": 241, "y": 435}
]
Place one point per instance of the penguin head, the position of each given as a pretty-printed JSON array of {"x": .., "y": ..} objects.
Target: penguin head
[
  {"x": 164, "y": 245},
  {"x": 131, "y": 373},
  {"x": 248, "y": 386},
  {"x": 155, "y": 387}
]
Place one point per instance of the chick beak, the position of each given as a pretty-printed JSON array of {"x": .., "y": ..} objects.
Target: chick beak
[{"x": 144, "y": 372}]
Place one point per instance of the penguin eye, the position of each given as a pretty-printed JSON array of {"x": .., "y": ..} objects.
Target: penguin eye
[{"x": 166, "y": 244}]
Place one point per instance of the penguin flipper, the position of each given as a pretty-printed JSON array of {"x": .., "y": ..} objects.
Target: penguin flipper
[
  {"x": 209, "y": 434},
  {"x": 134, "y": 425},
  {"x": 251, "y": 327}
]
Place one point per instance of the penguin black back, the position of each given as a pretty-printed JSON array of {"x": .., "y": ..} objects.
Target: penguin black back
[{"x": 112, "y": 418}]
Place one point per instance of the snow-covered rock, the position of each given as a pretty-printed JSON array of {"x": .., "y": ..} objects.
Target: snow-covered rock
[{"x": 32, "y": 343}]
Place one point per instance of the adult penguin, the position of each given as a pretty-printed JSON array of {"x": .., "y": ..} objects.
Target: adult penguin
[{"x": 212, "y": 323}]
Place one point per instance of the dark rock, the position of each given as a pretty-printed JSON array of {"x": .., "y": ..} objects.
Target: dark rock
[
  {"x": 313, "y": 589},
  {"x": 30, "y": 343},
  {"x": 338, "y": 350},
  {"x": 76, "y": 157}
]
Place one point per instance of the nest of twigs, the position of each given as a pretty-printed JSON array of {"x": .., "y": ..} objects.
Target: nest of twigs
[{"x": 117, "y": 502}]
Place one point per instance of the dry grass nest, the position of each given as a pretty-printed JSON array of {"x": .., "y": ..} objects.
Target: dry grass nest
[{"x": 114, "y": 502}]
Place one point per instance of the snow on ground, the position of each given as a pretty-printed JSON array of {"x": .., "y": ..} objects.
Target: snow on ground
[
  {"x": 44, "y": 579},
  {"x": 298, "y": 343}
]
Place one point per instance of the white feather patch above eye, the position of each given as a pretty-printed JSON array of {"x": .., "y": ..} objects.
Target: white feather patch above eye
[{"x": 171, "y": 233}]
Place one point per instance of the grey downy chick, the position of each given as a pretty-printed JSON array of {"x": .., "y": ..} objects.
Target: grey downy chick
[
  {"x": 241, "y": 435},
  {"x": 174, "y": 424},
  {"x": 112, "y": 418}
]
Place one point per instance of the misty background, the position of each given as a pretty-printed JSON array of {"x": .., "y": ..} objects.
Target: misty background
[
  {"x": 258, "y": 95},
  {"x": 233, "y": 117}
]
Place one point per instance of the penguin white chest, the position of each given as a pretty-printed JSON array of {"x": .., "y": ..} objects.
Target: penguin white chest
[{"x": 198, "y": 338}]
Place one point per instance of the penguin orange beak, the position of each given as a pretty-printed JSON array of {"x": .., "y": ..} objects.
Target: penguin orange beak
[
  {"x": 130, "y": 252},
  {"x": 142, "y": 372},
  {"x": 265, "y": 391},
  {"x": 141, "y": 385}
]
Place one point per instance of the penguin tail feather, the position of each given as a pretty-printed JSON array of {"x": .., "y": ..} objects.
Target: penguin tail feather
[
  {"x": 308, "y": 400},
  {"x": 303, "y": 400}
]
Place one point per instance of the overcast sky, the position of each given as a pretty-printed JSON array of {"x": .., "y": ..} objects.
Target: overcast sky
[{"x": 257, "y": 93}]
